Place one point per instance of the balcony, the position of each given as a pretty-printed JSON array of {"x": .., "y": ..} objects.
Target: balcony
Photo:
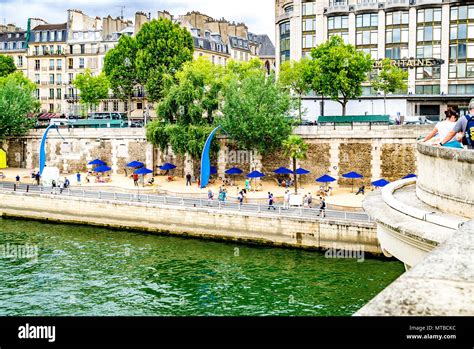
[
  {"x": 398, "y": 3},
  {"x": 429, "y": 2},
  {"x": 59, "y": 68},
  {"x": 47, "y": 53},
  {"x": 372, "y": 5},
  {"x": 337, "y": 7},
  {"x": 86, "y": 51}
]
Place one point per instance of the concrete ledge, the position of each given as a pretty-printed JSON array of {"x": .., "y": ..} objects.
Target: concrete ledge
[
  {"x": 247, "y": 227},
  {"x": 441, "y": 285}
]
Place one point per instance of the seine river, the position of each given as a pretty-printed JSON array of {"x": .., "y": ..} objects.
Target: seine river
[{"x": 48, "y": 269}]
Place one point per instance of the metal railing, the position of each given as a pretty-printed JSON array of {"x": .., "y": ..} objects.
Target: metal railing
[{"x": 193, "y": 203}]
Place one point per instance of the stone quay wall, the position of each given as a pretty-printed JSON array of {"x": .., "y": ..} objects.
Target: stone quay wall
[
  {"x": 257, "y": 228},
  {"x": 376, "y": 152}
]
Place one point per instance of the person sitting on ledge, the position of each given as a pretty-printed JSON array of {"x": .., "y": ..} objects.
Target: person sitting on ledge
[
  {"x": 444, "y": 127},
  {"x": 465, "y": 125}
]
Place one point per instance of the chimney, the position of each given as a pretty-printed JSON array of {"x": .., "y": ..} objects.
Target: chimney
[{"x": 140, "y": 19}]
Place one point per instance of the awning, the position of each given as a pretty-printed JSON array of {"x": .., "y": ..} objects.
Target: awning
[{"x": 48, "y": 116}]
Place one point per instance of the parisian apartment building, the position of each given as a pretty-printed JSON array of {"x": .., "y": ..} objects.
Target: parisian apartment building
[
  {"x": 52, "y": 54},
  {"x": 432, "y": 39}
]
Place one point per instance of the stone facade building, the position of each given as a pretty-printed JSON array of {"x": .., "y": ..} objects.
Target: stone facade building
[
  {"x": 13, "y": 44},
  {"x": 395, "y": 29}
]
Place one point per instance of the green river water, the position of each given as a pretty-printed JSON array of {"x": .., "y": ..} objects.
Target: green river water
[{"x": 80, "y": 270}]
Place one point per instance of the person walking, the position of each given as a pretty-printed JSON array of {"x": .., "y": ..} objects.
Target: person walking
[
  {"x": 322, "y": 208},
  {"x": 306, "y": 201},
  {"x": 271, "y": 201},
  {"x": 188, "y": 180},
  {"x": 361, "y": 190},
  {"x": 240, "y": 197},
  {"x": 37, "y": 178},
  {"x": 53, "y": 187},
  {"x": 310, "y": 200},
  {"x": 286, "y": 200},
  {"x": 78, "y": 178},
  {"x": 135, "y": 179},
  {"x": 210, "y": 197},
  {"x": 17, "y": 179}
]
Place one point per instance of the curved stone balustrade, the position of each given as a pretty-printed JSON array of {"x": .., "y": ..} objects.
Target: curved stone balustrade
[{"x": 446, "y": 179}]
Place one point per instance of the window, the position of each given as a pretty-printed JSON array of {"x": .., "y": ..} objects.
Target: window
[
  {"x": 140, "y": 106},
  {"x": 285, "y": 41},
  {"x": 58, "y": 93},
  {"x": 51, "y": 64},
  {"x": 51, "y": 93},
  {"x": 289, "y": 9},
  {"x": 427, "y": 89},
  {"x": 106, "y": 106},
  {"x": 428, "y": 73},
  {"x": 125, "y": 106},
  {"x": 51, "y": 106},
  {"x": 83, "y": 48},
  {"x": 37, "y": 64},
  {"x": 81, "y": 63},
  {"x": 309, "y": 24},
  {"x": 116, "y": 106},
  {"x": 367, "y": 20},
  {"x": 20, "y": 61},
  {"x": 308, "y": 8},
  {"x": 309, "y": 41},
  {"x": 70, "y": 63},
  {"x": 71, "y": 78},
  {"x": 51, "y": 79},
  {"x": 59, "y": 36},
  {"x": 461, "y": 89},
  {"x": 59, "y": 79},
  {"x": 461, "y": 47},
  {"x": 37, "y": 78}
]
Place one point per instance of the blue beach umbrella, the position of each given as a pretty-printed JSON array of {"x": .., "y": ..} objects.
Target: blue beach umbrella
[
  {"x": 136, "y": 164},
  {"x": 380, "y": 183},
  {"x": 102, "y": 168},
  {"x": 410, "y": 176},
  {"x": 352, "y": 175},
  {"x": 283, "y": 171},
  {"x": 213, "y": 170},
  {"x": 97, "y": 162},
  {"x": 143, "y": 171},
  {"x": 325, "y": 179},
  {"x": 255, "y": 174},
  {"x": 167, "y": 167},
  {"x": 234, "y": 171},
  {"x": 302, "y": 171}
]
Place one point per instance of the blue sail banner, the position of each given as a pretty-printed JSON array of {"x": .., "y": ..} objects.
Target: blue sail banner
[
  {"x": 206, "y": 160},
  {"x": 42, "y": 154}
]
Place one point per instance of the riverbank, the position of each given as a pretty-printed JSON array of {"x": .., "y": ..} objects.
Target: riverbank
[{"x": 260, "y": 227}]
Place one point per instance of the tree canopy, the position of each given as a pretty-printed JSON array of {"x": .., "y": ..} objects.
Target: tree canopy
[
  {"x": 255, "y": 112},
  {"x": 297, "y": 77},
  {"x": 194, "y": 97},
  {"x": 162, "y": 48},
  {"x": 341, "y": 70},
  {"x": 390, "y": 79},
  {"x": 121, "y": 69},
  {"x": 92, "y": 88},
  {"x": 17, "y": 100},
  {"x": 7, "y": 65}
]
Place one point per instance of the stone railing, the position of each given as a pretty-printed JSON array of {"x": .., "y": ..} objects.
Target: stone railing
[{"x": 446, "y": 179}]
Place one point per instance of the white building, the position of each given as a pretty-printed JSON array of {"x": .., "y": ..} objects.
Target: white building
[{"x": 396, "y": 29}]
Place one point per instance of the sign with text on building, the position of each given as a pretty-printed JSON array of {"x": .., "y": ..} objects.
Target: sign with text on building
[{"x": 412, "y": 63}]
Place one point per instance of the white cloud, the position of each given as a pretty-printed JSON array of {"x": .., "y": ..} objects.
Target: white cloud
[{"x": 259, "y": 15}]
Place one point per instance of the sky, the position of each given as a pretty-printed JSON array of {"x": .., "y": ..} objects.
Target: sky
[{"x": 259, "y": 15}]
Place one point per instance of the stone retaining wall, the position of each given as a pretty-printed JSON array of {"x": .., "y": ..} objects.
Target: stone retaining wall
[{"x": 198, "y": 222}]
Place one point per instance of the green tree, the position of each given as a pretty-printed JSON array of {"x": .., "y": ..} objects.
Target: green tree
[
  {"x": 121, "y": 69},
  {"x": 342, "y": 70},
  {"x": 163, "y": 47},
  {"x": 17, "y": 100},
  {"x": 297, "y": 77},
  {"x": 297, "y": 149},
  {"x": 255, "y": 112},
  {"x": 389, "y": 80},
  {"x": 92, "y": 88},
  {"x": 7, "y": 65},
  {"x": 194, "y": 97}
]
